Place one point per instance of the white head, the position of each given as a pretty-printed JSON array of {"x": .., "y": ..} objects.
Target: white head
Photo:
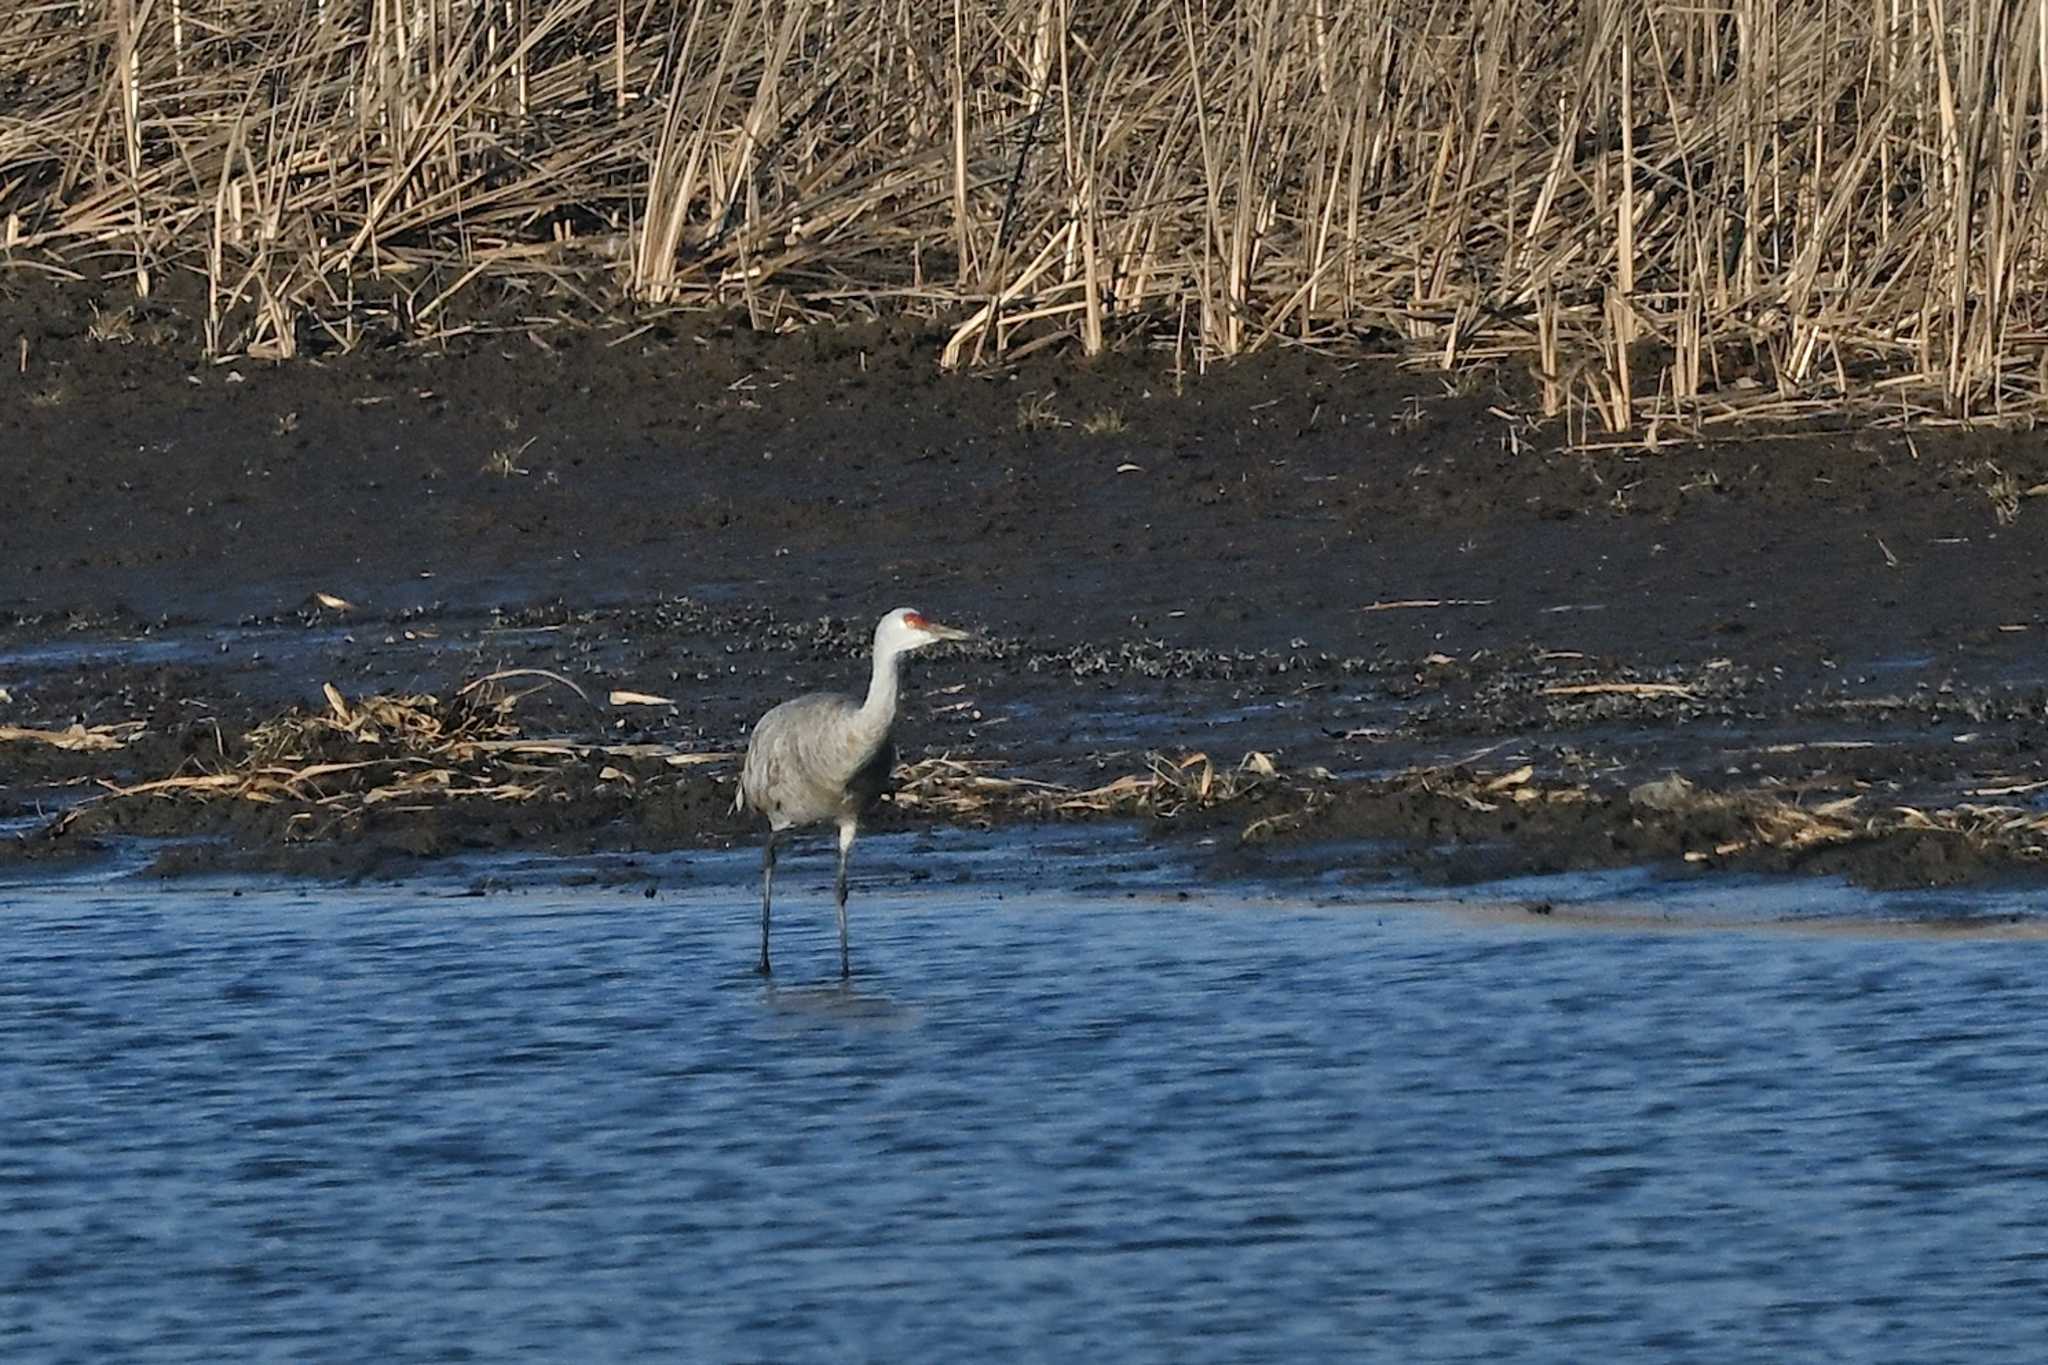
[{"x": 903, "y": 630}]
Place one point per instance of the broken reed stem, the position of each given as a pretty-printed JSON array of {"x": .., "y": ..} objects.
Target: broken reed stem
[{"x": 1665, "y": 210}]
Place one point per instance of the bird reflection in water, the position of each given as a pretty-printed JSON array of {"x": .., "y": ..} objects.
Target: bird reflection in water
[{"x": 839, "y": 1002}]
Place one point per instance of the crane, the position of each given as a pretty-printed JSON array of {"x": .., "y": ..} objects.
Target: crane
[{"x": 825, "y": 756}]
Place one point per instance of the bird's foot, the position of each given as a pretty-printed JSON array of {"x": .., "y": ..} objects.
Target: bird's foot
[{"x": 762, "y": 968}]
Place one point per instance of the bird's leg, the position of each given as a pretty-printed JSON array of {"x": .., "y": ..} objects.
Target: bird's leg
[
  {"x": 845, "y": 850},
  {"x": 767, "y": 889}
]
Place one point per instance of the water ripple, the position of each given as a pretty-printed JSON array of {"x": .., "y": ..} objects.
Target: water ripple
[{"x": 342, "y": 1124}]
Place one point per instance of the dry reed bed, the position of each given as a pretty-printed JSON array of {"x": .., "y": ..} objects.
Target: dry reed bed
[{"x": 1671, "y": 213}]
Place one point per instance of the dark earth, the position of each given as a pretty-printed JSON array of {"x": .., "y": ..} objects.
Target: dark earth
[{"x": 1360, "y": 570}]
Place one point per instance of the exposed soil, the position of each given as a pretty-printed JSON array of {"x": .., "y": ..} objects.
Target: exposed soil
[{"x": 1155, "y": 559}]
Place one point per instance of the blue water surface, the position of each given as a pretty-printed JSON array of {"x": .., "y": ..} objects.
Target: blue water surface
[{"x": 263, "y": 1121}]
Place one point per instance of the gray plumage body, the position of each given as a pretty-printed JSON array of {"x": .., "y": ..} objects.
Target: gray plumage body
[
  {"x": 816, "y": 759},
  {"x": 827, "y": 758}
]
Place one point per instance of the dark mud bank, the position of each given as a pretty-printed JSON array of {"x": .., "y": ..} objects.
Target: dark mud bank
[{"x": 1371, "y": 578}]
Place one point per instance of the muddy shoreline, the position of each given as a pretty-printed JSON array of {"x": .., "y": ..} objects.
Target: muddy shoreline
[{"x": 1393, "y": 584}]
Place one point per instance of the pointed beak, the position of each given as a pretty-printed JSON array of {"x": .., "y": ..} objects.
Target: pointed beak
[{"x": 939, "y": 632}]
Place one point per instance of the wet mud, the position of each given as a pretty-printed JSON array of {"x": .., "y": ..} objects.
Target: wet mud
[{"x": 1395, "y": 585}]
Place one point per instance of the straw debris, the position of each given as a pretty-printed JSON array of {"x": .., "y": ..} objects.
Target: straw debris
[
  {"x": 1673, "y": 816},
  {"x": 1167, "y": 787},
  {"x": 397, "y": 752},
  {"x": 322, "y": 771},
  {"x": 75, "y": 738}
]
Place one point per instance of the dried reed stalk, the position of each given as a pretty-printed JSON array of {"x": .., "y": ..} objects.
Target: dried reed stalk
[{"x": 76, "y": 738}]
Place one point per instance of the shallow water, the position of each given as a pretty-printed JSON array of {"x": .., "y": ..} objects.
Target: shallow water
[{"x": 253, "y": 1121}]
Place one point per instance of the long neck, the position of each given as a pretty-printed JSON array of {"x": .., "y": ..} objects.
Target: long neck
[{"x": 878, "y": 713}]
